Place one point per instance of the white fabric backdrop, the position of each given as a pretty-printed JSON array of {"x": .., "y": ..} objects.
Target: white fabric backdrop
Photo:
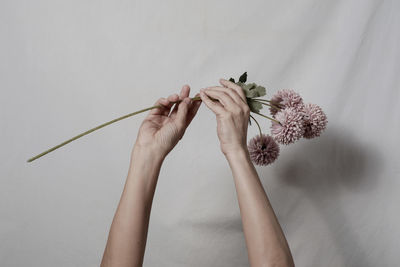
[{"x": 67, "y": 66}]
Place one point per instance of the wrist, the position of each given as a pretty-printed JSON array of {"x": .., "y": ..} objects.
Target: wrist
[
  {"x": 240, "y": 153},
  {"x": 144, "y": 168},
  {"x": 147, "y": 153}
]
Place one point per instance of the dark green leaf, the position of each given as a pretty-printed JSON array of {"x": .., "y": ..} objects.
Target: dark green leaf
[
  {"x": 252, "y": 90},
  {"x": 243, "y": 77},
  {"x": 260, "y": 91},
  {"x": 249, "y": 86},
  {"x": 254, "y": 106}
]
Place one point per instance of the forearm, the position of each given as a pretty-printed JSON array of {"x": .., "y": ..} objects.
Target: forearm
[
  {"x": 265, "y": 240},
  {"x": 127, "y": 238}
]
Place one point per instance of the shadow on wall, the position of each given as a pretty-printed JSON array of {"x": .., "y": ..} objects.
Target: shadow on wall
[
  {"x": 337, "y": 162},
  {"x": 334, "y": 159},
  {"x": 324, "y": 169}
]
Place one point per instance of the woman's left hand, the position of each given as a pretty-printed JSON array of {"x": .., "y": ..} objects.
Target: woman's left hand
[{"x": 162, "y": 129}]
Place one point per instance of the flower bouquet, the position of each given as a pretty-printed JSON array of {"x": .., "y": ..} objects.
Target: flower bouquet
[{"x": 290, "y": 118}]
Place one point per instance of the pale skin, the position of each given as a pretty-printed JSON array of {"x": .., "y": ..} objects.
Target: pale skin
[{"x": 159, "y": 133}]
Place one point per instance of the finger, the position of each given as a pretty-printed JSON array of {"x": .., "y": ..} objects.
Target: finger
[
  {"x": 215, "y": 107},
  {"x": 231, "y": 92},
  {"x": 173, "y": 99},
  {"x": 234, "y": 86},
  {"x": 182, "y": 113},
  {"x": 165, "y": 106},
  {"x": 194, "y": 107},
  {"x": 223, "y": 98},
  {"x": 185, "y": 91},
  {"x": 183, "y": 94}
]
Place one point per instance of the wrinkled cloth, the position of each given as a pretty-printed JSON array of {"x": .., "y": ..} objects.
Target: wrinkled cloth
[{"x": 67, "y": 66}]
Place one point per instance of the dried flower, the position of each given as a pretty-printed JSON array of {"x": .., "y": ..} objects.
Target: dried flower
[
  {"x": 263, "y": 149},
  {"x": 290, "y": 128},
  {"x": 315, "y": 120},
  {"x": 286, "y": 98}
]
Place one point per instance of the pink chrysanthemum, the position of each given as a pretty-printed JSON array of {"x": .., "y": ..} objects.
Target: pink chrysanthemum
[
  {"x": 286, "y": 98},
  {"x": 315, "y": 120},
  {"x": 291, "y": 127},
  {"x": 263, "y": 149}
]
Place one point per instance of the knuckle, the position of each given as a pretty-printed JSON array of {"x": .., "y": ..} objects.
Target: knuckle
[
  {"x": 224, "y": 93},
  {"x": 231, "y": 90},
  {"x": 228, "y": 115},
  {"x": 236, "y": 86},
  {"x": 238, "y": 111},
  {"x": 239, "y": 89}
]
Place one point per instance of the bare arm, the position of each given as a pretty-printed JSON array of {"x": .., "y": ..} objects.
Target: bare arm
[
  {"x": 159, "y": 133},
  {"x": 266, "y": 243},
  {"x": 265, "y": 240}
]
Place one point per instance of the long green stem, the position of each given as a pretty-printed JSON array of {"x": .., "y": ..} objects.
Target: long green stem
[
  {"x": 89, "y": 131},
  {"x": 258, "y": 125},
  {"x": 196, "y": 98},
  {"x": 261, "y": 99},
  {"x": 265, "y": 116},
  {"x": 99, "y": 127},
  {"x": 267, "y": 103}
]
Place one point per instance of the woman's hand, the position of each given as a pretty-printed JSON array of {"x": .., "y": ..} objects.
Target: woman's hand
[
  {"x": 232, "y": 114},
  {"x": 162, "y": 129}
]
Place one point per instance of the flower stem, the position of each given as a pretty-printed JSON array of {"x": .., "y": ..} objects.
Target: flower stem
[
  {"x": 265, "y": 116},
  {"x": 264, "y": 102},
  {"x": 197, "y": 98},
  {"x": 258, "y": 125},
  {"x": 91, "y": 130}
]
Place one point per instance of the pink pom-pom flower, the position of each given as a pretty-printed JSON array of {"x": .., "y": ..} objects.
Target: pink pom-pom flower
[
  {"x": 315, "y": 120},
  {"x": 286, "y": 98},
  {"x": 263, "y": 150},
  {"x": 290, "y": 128}
]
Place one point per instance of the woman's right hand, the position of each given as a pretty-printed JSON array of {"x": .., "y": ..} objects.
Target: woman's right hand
[{"x": 232, "y": 113}]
